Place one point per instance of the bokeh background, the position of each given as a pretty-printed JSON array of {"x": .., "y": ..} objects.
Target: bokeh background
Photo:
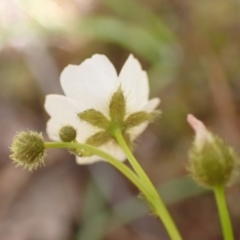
[{"x": 191, "y": 51}]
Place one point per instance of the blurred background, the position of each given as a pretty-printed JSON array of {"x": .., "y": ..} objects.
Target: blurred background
[{"x": 191, "y": 51}]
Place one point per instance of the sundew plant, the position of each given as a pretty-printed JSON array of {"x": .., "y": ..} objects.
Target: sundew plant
[{"x": 99, "y": 119}]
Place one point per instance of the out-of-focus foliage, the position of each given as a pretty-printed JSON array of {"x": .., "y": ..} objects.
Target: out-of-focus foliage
[{"x": 191, "y": 51}]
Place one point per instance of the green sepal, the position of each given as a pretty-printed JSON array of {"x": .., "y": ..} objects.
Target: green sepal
[
  {"x": 99, "y": 139},
  {"x": 137, "y": 118},
  {"x": 95, "y": 118},
  {"x": 117, "y": 107}
]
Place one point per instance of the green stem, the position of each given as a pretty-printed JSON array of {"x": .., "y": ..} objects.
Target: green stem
[
  {"x": 113, "y": 161},
  {"x": 138, "y": 169},
  {"x": 127, "y": 172},
  {"x": 158, "y": 204},
  {"x": 223, "y": 213}
]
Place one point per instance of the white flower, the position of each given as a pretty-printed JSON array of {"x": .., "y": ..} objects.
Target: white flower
[
  {"x": 202, "y": 135},
  {"x": 97, "y": 98}
]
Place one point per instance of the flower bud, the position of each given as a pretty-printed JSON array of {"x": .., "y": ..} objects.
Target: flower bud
[
  {"x": 211, "y": 162},
  {"x": 67, "y": 133},
  {"x": 28, "y": 150}
]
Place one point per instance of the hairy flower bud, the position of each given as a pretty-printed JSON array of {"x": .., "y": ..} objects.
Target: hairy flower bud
[
  {"x": 28, "y": 150},
  {"x": 67, "y": 133},
  {"x": 211, "y": 162}
]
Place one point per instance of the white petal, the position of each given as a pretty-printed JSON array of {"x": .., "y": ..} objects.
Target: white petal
[
  {"x": 62, "y": 107},
  {"x": 134, "y": 82},
  {"x": 92, "y": 83},
  {"x": 63, "y": 111},
  {"x": 152, "y": 105},
  {"x": 111, "y": 148},
  {"x": 202, "y": 135},
  {"x": 136, "y": 131}
]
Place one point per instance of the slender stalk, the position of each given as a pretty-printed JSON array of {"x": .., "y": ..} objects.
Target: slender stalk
[
  {"x": 138, "y": 169},
  {"x": 110, "y": 159},
  {"x": 223, "y": 213},
  {"x": 158, "y": 204},
  {"x": 127, "y": 172}
]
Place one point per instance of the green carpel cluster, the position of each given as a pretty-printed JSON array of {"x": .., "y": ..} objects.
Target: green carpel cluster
[
  {"x": 28, "y": 150},
  {"x": 67, "y": 133}
]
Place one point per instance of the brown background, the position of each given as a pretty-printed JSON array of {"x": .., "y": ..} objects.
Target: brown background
[{"x": 191, "y": 50}]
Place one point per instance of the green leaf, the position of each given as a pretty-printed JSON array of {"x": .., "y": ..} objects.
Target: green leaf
[
  {"x": 136, "y": 12},
  {"x": 127, "y": 35}
]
